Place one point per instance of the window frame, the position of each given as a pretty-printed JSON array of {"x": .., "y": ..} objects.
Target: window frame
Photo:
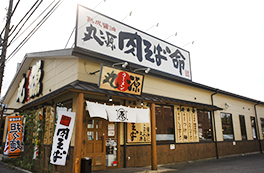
[
  {"x": 262, "y": 126},
  {"x": 173, "y": 123},
  {"x": 243, "y": 116},
  {"x": 226, "y": 124},
  {"x": 255, "y": 128},
  {"x": 211, "y": 126}
]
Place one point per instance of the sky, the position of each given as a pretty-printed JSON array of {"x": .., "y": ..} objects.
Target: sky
[{"x": 227, "y": 36}]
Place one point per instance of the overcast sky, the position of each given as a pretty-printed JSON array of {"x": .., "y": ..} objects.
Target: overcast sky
[{"x": 228, "y": 35}]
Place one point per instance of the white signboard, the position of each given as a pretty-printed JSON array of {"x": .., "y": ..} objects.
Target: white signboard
[
  {"x": 101, "y": 34},
  {"x": 62, "y": 137}
]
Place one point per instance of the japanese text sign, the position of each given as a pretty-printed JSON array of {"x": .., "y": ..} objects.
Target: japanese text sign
[
  {"x": 138, "y": 132},
  {"x": 62, "y": 137},
  {"x": 101, "y": 34},
  {"x": 122, "y": 81},
  {"x": 15, "y": 135}
]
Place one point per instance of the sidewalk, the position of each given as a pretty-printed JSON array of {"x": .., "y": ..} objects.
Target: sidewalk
[{"x": 235, "y": 164}]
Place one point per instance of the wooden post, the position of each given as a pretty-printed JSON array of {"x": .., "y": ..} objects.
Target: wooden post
[
  {"x": 78, "y": 131},
  {"x": 153, "y": 138}
]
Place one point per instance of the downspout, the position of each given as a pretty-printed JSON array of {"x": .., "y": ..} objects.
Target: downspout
[
  {"x": 216, "y": 147},
  {"x": 260, "y": 147}
]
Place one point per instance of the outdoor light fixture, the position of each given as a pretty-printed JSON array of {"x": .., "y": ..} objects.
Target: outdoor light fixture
[
  {"x": 110, "y": 99},
  {"x": 153, "y": 26},
  {"x": 124, "y": 64},
  {"x": 127, "y": 15},
  {"x": 142, "y": 103},
  {"x": 145, "y": 69},
  {"x": 171, "y": 36}
]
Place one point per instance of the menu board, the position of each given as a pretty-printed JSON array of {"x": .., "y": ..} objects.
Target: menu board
[
  {"x": 186, "y": 124},
  {"x": 138, "y": 132}
]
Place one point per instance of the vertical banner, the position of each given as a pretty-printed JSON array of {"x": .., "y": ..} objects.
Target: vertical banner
[
  {"x": 178, "y": 125},
  {"x": 14, "y": 135},
  {"x": 38, "y": 117},
  {"x": 49, "y": 125},
  {"x": 62, "y": 137}
]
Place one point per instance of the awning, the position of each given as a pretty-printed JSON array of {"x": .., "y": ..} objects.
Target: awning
[
  {"x": 118, "y": 113},
  {"x": 80, "y": 86}
]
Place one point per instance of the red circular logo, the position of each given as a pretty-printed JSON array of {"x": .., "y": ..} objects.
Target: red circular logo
[{"x": 121, "y": 81}]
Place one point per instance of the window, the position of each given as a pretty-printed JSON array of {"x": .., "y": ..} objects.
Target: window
[
  {"x": 262, "y": 126},
  {"x": 243, "y": 127},
  {"x": 227, "y": 126},
  {"x": 204, "y": 125},
  {"x": 164, "y": 123},
  {"x": 253, "y": 125}
]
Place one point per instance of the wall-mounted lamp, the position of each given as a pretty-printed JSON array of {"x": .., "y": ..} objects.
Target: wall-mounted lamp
[
  {"x": 127, "y": 15},
  {"x": 110, "y": 99},
  {"x": 142, "y": 103},
  {"x": 171, "y": 36},
  {"x": 124, "y": 64},
  {"x": 227, "y": 105},
  {"x": 145, "y": 69},
  {"x": 153, "y": 26}
]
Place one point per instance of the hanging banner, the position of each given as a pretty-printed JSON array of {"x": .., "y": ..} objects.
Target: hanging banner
[
  {"x": 118, "y": 113},
  {"x": 14, "y": 135},
  {"x": 121, "y": 81},
  {"x": 38, "y": 117},
  {"x": 62, "y": 137},
  {"x": 49, "y": 125}
]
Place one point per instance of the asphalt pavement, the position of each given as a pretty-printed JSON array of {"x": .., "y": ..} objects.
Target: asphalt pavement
[{"x": 235, "y": 164}]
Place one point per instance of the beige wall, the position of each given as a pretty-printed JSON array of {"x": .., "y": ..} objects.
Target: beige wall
[
  {"x": 163, "y": 87},
  {"x": 57, "y": 73},
  {"x": 238, "y": 107}
]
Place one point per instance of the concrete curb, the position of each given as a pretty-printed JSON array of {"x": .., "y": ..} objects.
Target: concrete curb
[{"x": 14, "y": 167}]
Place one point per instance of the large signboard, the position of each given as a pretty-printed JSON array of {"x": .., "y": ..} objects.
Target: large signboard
[
  {"x": 98, "y": 33},
  {"x": 121, "y": 81},
  {"x": 31, "y": 85}
]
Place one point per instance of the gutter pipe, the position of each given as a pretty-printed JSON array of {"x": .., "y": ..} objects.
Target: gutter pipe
[
  {"x": 216, "y": 146},
  {"x": 257, "y": 126}
]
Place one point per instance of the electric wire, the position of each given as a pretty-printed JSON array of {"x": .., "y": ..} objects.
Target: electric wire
[
  {"x": 35, "y": 29},
  {"x": 7, "y": 21},
  {"x": 69, "y": 37},
  {"x": 34, "y": 20},
  {"x": 25, "y": 20}
]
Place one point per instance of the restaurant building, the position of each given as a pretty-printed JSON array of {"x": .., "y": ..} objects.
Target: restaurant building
[{"x": 133, "y": 100}]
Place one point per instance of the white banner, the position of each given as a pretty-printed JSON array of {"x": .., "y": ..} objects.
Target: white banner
[
  {"x": 62, "y": 137},
  {"x": 96, "y": 110},
  {"x": 101, "y": 34},
  {"x": 118, "y": 113},
  {"x": 121, "y": 114}
]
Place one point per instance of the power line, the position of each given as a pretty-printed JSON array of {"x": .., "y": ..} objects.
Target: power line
[
  {"x": 35, "y": 29},
  {"x": 9, "y": 18},
  {"x": 25, "y": 21},
  {"x": 34, "y": 20}
]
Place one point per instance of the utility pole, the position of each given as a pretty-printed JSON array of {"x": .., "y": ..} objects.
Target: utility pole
[
  {"x": 3, "y": 55},
  {"x": 5, "y": 42}
]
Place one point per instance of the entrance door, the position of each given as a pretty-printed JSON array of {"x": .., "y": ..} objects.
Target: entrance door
[{"x": 95, "y": 143}]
